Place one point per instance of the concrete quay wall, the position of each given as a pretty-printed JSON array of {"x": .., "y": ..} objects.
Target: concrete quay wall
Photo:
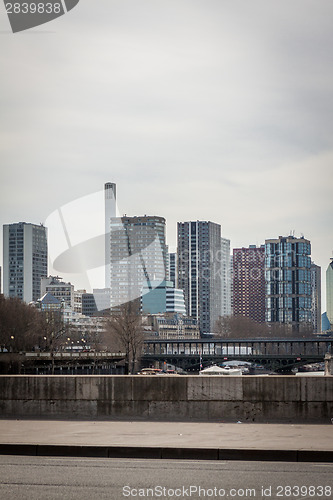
[{"x": 184, "y": 398}]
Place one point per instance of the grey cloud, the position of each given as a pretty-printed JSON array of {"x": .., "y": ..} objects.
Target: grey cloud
[{"x": 196, "y": 109}]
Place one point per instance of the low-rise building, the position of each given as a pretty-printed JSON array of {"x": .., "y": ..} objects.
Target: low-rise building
[
  {"x": 87, "y": 327},
  {"x": 59, "y": 289},
  {"x": 162, "y": 297},
  {"x": 171, "y": 326}
]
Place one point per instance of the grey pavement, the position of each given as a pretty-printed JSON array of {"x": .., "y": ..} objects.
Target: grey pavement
[{"x": 153, "y": 439}]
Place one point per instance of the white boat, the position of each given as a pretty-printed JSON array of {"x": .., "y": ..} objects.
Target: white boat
[{"x": 217, "y": 370}]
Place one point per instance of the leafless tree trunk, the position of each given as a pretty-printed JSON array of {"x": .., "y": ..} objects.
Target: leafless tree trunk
[{"x": 124, "y": 329}]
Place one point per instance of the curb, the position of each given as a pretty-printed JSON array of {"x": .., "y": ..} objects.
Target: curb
[{"x": 167, "y": 453}]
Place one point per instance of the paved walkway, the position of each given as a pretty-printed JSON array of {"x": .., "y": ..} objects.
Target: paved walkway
[{"x": 168, "y": 439}]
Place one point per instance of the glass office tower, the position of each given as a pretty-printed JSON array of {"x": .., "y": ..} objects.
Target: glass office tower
[{"x": 288, "y": 281}]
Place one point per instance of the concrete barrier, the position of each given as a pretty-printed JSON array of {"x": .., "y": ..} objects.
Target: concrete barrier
[{"x": 183, "y": 398}]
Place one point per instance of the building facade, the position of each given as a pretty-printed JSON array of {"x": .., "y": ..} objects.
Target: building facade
[
  {"x": 88, "y": 328},
  {"x": 170, "y": 326},
  {"x": 25, "y": 260},
  {"x": 232, "y": 284},
  {"x": 89, "y": 307},
  {"x": 162, "y": 298},
  {"x": 329, "y": 293},
  {"x": 225, "y": 277},
  {"x": 173, "y": 268},
  {"x": 138, "y": 256},
  {"x": 249, "y": 283},
  {"x": 78, "y": 300},
  {"x": 316, "y": 297},
  {"x": 110, "y": 202},
  {"x": 325, "y": 324},
  {"x": 199, "y": 271},
  {"x": 96, "y": 303},
  {"x": 59, "y": 289},
  {"x": 102, "y": 300},
  {"x": 288, "y": 282}
]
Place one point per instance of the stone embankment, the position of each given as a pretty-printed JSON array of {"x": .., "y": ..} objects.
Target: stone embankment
[{"x": 184, "y": 398}]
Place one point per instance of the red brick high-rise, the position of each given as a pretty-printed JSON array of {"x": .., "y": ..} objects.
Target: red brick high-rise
[{"x": 249, "y": 282}]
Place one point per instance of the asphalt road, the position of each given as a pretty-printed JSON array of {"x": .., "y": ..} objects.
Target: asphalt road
[{"x": 46, "y": 478}]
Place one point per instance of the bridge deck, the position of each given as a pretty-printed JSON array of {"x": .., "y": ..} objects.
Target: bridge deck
[{"x": 275, "y": 353}]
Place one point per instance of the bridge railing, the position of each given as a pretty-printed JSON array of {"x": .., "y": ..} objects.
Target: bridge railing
[{"x": 74, "y": 355}]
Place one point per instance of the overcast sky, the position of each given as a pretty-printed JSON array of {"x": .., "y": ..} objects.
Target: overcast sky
[{"x": 198, "y": 109}]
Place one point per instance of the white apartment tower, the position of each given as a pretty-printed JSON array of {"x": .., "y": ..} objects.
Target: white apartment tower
[
  {"x": 138, "y": 256},
  {"x": 110, "y": 198}
]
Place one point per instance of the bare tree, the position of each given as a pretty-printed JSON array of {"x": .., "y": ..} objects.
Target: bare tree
[
  {"x": 284, "y": 330},
  {"x": 239, "y": 327},
  {"x": 242, "y": 327},
  {"x": 125, "y": 332},
  {"x": 20, "y": 326}
]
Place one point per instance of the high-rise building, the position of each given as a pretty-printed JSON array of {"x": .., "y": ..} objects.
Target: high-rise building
[
  {"x": 110, "y": 200},
  {"x": 162, "y": 298},
  {"x": 329, "y": 293},
  {"x": 138, "y": 256},
  {"x": 316, "y": 297},
  {"x": 288, "y": 281},
  {"x": 232, "y": 284},
  {"x": 59, "y": 289},
  {"x": 24, "y": 260},
  {"x": 199, "y": 271},
  {"x": 225, "y": 277},
  {"x": 249, "y": 283}
]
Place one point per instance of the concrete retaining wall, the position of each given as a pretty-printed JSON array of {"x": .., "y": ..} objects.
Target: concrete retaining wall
[{"x": 210, "y": 398}]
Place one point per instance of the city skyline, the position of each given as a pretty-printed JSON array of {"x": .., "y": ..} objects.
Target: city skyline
[
  {"x": 198, "y": 111},
  {"x": 139, "y": 244},
  {"x": 231, "y": 250}
]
